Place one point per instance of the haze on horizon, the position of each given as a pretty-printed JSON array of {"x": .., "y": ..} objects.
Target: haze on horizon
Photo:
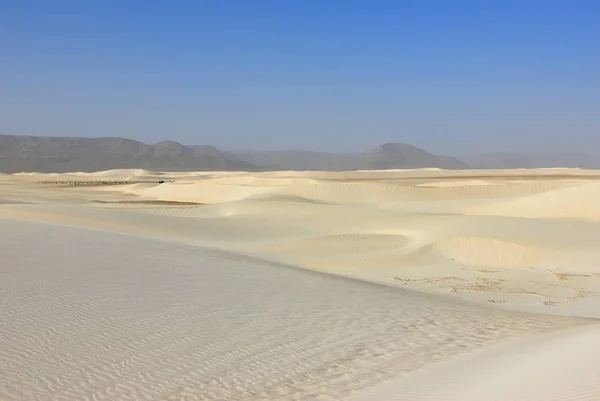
[{"x": 452, "y": 77}]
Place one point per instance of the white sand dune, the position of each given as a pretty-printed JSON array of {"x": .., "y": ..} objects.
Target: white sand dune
[
  {"x": 201, "y": 192},
  {"x": 95, "y": 315},
  {"x": 548, "y": 367},
  {"x": 462, "y": 183},
  {"x": 457, "y": 251},
  {"x": 455, "y": 240},
  {"x": 577, "y": 202}
]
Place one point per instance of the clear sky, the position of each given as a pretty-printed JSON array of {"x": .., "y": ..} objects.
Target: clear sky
[{"x": 450, "y": 76}]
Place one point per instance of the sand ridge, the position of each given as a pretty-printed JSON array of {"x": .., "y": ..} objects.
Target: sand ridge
[
  {"x": 485, "y": 244},
  {"x": 143, "y": 319},
  {"x": 410, "y": 228}
]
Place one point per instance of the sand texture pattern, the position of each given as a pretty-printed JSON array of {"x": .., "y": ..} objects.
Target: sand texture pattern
[{"x": 367, "y": 285}]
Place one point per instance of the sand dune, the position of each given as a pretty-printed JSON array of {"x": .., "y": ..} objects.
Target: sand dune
[
  {"x": 465, "y": 183},
  {"x": 548, "y": 367},
  {"x": 577, "y": 202},
  {"x": 312, "y": 220},
  {"x": 449, "y": 246},
  {"x": 125, "y": 318}
]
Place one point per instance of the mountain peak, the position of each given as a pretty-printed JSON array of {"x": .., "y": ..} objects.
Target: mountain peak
[
  {"x": 64, "y": 154},
  {"x": 395, "y": 147}
]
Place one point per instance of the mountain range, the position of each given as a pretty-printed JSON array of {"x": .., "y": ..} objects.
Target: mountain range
[
  {"x": 69, "y": 154},
  {"x": 386, "y": 156},
  {"x": 66, "y": 154}
]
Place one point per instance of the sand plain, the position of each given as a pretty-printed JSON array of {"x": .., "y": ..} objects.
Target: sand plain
[{"x": 210, "y": 285}]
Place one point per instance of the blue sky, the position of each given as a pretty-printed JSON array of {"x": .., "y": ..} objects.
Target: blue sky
[{"x": 449, "y": 76}]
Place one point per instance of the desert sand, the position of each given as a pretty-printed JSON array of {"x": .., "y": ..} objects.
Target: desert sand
[{"x": 368, "y": 285}]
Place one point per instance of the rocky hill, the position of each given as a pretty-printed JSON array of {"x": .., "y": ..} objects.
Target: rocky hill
[
  {"x": 387, "y": 156},
  {"x": 67, "y": 154}
]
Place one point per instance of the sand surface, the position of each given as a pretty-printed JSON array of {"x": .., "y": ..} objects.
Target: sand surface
[
  {"x": 556, "y": 366},
  {"x": 203, "y": 300}
]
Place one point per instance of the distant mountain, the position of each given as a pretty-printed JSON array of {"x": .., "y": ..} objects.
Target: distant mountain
[
  {"x": 531, "y": 160},
  {"x": 400, "y": 155},
  {"x": 66, "y": 154},
  {"x": 69, "y": 154},
  {"x": 387, "y": 156},
  {"x": 205, "y": 151},
  {"x": 297, "y": 160}
]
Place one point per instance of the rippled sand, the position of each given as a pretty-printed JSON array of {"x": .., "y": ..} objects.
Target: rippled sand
[{"x": 196, "y": 302}]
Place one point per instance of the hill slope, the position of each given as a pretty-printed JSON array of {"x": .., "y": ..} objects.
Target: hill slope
[
  {"x": 387, "y": 156},
  {"x": 66, "y": 154}
]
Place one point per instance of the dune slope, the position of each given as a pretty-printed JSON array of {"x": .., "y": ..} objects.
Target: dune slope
[
  {"x": 514, "y": 239},
  {"x": 548, "y": 367},
  {"x": 96, "y": 315}
]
